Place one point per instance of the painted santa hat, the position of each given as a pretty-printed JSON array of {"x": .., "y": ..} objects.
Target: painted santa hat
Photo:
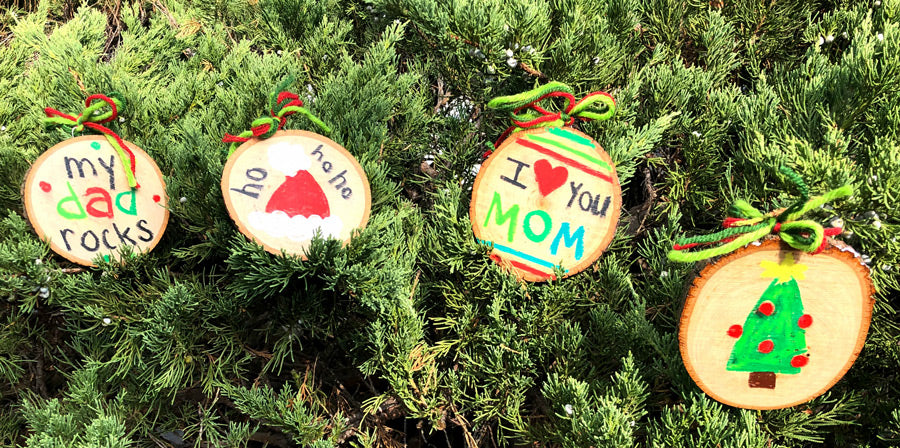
[
  {"x": 298, "y": 209},
  {"x": 300, "y": 194}
]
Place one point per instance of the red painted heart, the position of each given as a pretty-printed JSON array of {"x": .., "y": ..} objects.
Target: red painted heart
[{"x": 549, "y": 178}]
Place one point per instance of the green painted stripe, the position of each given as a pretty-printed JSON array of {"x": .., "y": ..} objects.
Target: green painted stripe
[
  {"x": 560, "y": 132},
  {"x": 559, "y": 145}
]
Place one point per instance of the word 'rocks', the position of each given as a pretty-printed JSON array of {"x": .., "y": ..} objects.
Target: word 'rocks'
[
  {"x": 77, "y": 197},
  {"x": 768, "y": 327},
  {"x": 285, "y": 190},
  {"x": 546, "y": 198}
]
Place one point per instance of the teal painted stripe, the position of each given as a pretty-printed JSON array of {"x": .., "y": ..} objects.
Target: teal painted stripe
[
  {"x": 560, "y": 132},
  {"x": 521, "y": 255},
  {"x": 583, "y": 155}
]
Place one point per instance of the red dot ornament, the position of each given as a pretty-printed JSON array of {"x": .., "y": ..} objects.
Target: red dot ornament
[
  {"x": 804, "y": 321},
  {"x": 735, "y": 331},
  {"x": 766, "y": 346},
  {"x": 766, "y": 308},
  {"x": 799, "y": 361}
]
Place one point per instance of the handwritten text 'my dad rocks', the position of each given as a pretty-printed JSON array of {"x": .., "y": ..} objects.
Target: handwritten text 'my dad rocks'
[{"x": 97, "y": 202}]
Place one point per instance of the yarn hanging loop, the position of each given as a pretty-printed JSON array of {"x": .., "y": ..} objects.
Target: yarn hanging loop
[
  {"x": 92, "y": 117},
  {"x": 282, "y": 104},
  {"x": 749, "y": 224},
  {"x": 526, "y": 112}
]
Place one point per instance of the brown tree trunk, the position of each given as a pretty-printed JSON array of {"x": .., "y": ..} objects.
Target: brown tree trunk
[{"x": 765, "y": 380}]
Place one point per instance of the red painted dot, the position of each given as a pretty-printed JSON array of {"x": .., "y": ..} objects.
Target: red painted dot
[
  {"x": 735, "y": 331},
  {"x": 799, "y": 361},
  {"x": 156, "y": 198},
  {"x": 766, "y": 308},
  {"x": 45, "y": 186},
  {"x": 766, "y": 346},
  {"x": 804, "y": 321}
]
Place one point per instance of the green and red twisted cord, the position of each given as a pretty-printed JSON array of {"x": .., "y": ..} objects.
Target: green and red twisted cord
[
  {"x": 747, "y": 224},
  {"x": 594, "y": 106},
  {"x": 91, "y": 119},
  {"x": 281, "y": 105}
]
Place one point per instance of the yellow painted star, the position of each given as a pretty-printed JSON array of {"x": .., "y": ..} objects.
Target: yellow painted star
[{"x": 785, "y": 270}]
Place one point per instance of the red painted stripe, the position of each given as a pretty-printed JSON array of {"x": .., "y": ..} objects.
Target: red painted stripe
[
  {"x": 523, "y": 267},
  {"x": 530, "y": 269},
  {"x": 564, "y": 159}
]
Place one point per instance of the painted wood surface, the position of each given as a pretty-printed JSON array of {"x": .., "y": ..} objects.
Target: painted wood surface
[
  {"x": 770, "y": 327},
  {"x": 77, "y": 197},
  {"x": 546, "y": 198},
  {"x": 283, "y": 190}
]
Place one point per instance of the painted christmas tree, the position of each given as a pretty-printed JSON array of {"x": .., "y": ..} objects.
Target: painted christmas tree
[{"x": 773, "y": 338}]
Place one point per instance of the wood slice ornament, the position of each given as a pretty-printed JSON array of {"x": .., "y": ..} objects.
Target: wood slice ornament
[
  {"x": 284, "y": 188},
  {"x": 82, "y": 196},
  {"x": 780, "y": 311},
  {"x": 769, "y": 326},
  {"x": 548, "y": 197}
]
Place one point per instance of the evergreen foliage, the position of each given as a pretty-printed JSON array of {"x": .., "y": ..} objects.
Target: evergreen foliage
[{"x": 411, "y": 334}]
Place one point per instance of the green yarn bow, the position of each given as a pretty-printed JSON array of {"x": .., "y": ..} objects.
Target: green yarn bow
[
  {"x": 748, "y": 224},
  {"x": 594, "y": 106}
]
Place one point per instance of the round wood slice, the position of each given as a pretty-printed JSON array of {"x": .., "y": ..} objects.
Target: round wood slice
[
  {"x": 77, "y": 198},
  {"x": 769, "y": 327},
  {"x": 283, "y": 190},
  {"x": 546, "y": 197}
]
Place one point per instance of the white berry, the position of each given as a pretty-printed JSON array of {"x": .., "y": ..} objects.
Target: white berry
[{"x": 569, "y": 409}]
